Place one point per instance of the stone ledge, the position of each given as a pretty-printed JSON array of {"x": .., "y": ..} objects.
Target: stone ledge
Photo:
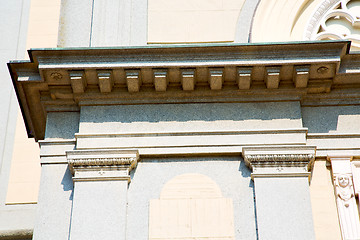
[
  {"x": 16, "y": 234},
  {"x": 279, "y": 174}
]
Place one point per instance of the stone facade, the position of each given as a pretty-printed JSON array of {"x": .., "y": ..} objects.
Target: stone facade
[{"x": 218, "y": 139}]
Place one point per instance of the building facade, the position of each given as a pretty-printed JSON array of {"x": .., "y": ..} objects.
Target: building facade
[{"x": 179, "y": 120}]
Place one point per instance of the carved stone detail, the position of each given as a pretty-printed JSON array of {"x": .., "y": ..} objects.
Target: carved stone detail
[
  {"x": 345, "y": 197},
  {"x": 273, "y": 158},
  {"x": 102, "y": 162},
  {"x": 331, "y": 13},
  {"x": 101, "y": 165},
  {"x": 279, "y": 160},
  {"x": 56, "y": 75},
  {"x": 344, "y": 188}
]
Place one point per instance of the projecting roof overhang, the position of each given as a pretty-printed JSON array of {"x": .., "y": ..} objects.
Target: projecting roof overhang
[{"x": 65, "y": 79}]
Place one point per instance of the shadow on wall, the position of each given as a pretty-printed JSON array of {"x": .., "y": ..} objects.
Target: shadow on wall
[
  {"x": 191, "y": 112},
  {"x": 67, "y": 182},
  {"x": 62, "y": 125},
  {"x": 340, "y": 119}
]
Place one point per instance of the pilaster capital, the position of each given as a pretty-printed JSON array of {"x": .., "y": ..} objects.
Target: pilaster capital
[
  {"x": 101, "y": 165},
  {"x": 279, "y": 160},
  {"x": 340, "y": 164},
  {"x": 333, "y": 158}
]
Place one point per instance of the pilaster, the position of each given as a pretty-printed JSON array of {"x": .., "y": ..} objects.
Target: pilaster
[
  {"x": 101, "y": 180},
  {"x": 282, "y": 197},
  {"x": 345, "y": 196}
]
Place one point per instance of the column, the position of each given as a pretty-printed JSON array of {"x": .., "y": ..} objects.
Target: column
[
  {"x": 345, "y": 196},
  {"x": 101, "y": 180},
  {"x": 282, "y": 196}
]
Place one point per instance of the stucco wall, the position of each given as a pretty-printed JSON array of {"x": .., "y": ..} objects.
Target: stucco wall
[
  {"x": 230, "y": 173},
  {"x": 190, "y": 117}
]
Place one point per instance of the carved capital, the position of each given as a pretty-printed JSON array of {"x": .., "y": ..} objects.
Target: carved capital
[
  {"x": 279, "y": 158},
  {"x": 101, "y": 165},
  {"x": 127, "y": 162}
]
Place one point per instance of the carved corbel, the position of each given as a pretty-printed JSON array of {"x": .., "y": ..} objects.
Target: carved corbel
[{"x": 345, "y": 196}]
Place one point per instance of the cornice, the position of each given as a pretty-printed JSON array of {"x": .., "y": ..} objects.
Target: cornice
[{"x": 66, "y": 79}]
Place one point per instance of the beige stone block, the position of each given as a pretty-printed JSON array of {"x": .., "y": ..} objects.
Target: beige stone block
[
  {"x": 43, "y": 24},
  {"x": 24, "y": 172},
  {"x": 212, "y": 218},
  {"x": 192, "y": 26},
  {"x": 216, "y": 79},
  {"x": 244, "y": 78},
  {"x": 301, "y": 76},
  {"x": 191, "y": 219},
  {"x": 214, "y": 26},
  {"x": 47, "y": 3},
  {"x": 191, "y": 185},
  {"x": 206, "y": 26},
  {"x": 20, "y": 193},
  {"x": 229, "y": 24},
  {"x": 78, "y": 81},
  {"x": 188, "y": 79},
  {"x": 326, "y": 223},
  {"x": 41, "y": 41},
  {"x": 232, "y": 4},
  {"x": 203, "y": 26},
  {"x": 348, "y": 123},
  {"x": 43, "y": 12},
  {"x": 133, "y": 81},
  {"x": 191, "y": 206},
  {"x": 169, "y": 218},
  {"x": 25, "y": 169},
  {"x": 106, "y": 81},
  {"x": 40, "y": 27},
  {"x": 166, "y": 27},
  {"x": 160, "y": 80},
  {"x": 272, "y": 77},
  {"x": 185, "y": 5}
]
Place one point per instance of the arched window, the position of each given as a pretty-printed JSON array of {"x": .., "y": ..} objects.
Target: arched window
[{"x": 191, "y": 206}]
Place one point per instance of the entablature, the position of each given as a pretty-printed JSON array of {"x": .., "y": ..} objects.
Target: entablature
[{"x": 65, "y": 79}]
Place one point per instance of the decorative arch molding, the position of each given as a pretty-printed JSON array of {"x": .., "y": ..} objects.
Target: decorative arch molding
[
  {"x": 334, "y": 20},
  {"x": 285, "y": 20}
]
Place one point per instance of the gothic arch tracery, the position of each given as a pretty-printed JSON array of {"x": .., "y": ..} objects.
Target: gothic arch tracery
[{"x": 336, "y": 20}]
